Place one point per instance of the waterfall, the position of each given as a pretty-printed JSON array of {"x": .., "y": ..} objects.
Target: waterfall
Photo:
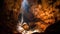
[{"x": 24, "y": 10}]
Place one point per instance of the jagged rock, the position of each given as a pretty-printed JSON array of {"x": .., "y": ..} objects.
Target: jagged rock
[{"x": 9, "y": 15}]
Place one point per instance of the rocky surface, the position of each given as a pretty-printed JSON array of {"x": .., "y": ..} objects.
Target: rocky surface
[{"x": 9, "y": 15}]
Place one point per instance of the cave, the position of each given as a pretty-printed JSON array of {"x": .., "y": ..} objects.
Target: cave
[{"x": 36, "y": 16}]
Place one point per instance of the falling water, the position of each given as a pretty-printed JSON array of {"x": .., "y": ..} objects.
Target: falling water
[{"x": 24, "y": 9}]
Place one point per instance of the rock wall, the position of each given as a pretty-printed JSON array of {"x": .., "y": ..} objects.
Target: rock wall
[{"x": 9, "y": 12}]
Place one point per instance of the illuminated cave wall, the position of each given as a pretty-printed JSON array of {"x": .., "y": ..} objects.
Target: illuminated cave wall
[{"x": 48, "y": 11}]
